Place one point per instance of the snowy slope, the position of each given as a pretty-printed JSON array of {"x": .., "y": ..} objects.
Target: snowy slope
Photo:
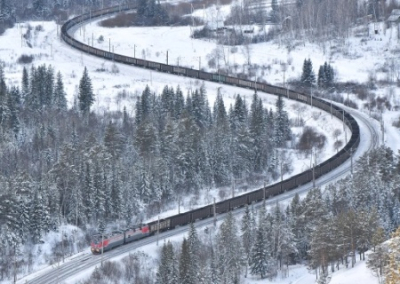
[{"x": 182, "y": 50}]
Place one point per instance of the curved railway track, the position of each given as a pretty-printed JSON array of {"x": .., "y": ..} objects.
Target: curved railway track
[{"x": 336, "y": 165}]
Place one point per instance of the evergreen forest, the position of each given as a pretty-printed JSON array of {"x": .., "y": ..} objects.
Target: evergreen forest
[{"x": 70, "y": 165}]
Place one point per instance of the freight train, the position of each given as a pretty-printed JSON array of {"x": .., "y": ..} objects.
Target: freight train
[{"x": 117, "y": 238}]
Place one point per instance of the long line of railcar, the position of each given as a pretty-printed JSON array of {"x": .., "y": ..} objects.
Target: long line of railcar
[{"x": 248, "y": 198}]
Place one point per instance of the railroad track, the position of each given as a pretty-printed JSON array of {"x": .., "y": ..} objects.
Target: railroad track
[
  {"x": 85, "y": 262},
  {"x": 60, "y": 272}
]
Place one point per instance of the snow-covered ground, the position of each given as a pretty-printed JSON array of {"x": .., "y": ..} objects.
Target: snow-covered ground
[
  {"x": 47, "y": 48},
  {"x": 182, "y": 50}
]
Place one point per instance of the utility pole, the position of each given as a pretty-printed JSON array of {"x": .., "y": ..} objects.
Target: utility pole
[
  {"x": 215, "y": 214},
  {"x": 313, "y": 169},
  {"x": 313, "y": 174},
  {"x": 311, "y": 97},
  {"x": 158, "y": 228},
  {"x": 351, "y": 160},
  {"x": 102, "y": 248},
  {"x": 264, "y": 195},
  {"x": 167, "y": 57}
]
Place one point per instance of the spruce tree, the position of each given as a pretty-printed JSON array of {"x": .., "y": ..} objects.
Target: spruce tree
[
  {"x": 163, "y": 273},
  {"x": 325, "y": 75},
  {"x": 321, "y": 77},
  {"x": 275, "y": 11},
  {"x": 257, "y": 132},
  {"x": 49, "y": 87},
  {"x": 308, "y": 76},
  {"x": 59, "y": 95},
  {"x": 231, "y": 257},
  {"x": 194, "y": 249},
  {"x": 282, "y": 132},
  {"x": 86, "y": 96},
  {"x": 13, "y": 104},
  {"x": 184, "y": 264},
  {"x": 247, "y": 229},
  {"x": 260, "y": 259},
  {"x": 25, "y": 84},
  {"x": 179, "y": 103}
]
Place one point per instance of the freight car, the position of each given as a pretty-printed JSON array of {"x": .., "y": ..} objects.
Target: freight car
[{"x": 117, "y": 238}]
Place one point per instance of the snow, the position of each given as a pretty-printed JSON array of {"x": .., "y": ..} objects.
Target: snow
[
  {"x": 359, "y": 274},
  {"x": 42, "y": 251},
  {"x": 49, "y": 49},
  {"x": 182, "y": 50}
]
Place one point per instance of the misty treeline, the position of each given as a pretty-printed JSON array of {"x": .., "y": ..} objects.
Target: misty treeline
[
  {"x": 306, "y": 19},
  {"x": 326, "y": 231},
  {"x": 12, "y": 11},
  {"x": 69, "y": 165}
]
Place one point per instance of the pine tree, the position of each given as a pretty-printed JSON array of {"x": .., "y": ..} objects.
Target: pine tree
[
  {"x": 39, "y": 7},
  {"x": 282, "y": 132},
  {"x": 13, "y": 104},
  {"x": 239, "y": 113},
  {"x": 324, "y": 247},
  {"x": 194, "y": 249},
  {"x": 321, "y": 77},
  {"x": 275, "y": 11},
  {"x": 114, "y": 141},
  {"x": 260, "y": 259},
  {"x": 4, "y": 111},
  {"x": 247, "y": 229},
  {"x": 308, "y": 76},
  {"x": 89, "y": 193},
  {"x": 32, "y": 98},
  {"x": 393, "y": 270},
  {"x": 200, "y": 107},
  {"x": 86, "y": 96},
  {"x": 325, "y": 75},
  {"x": 59, "y": 95},
  {"x": 25, "y": 84},
  {"x": 39, "y": 216},
  {"x": 167, "y": 101},
  {"x": 141, "y": 7},
  {"x": 179, "y": 104},
  {"x": 231, "y": 257},
  {"x": 48, "y": 87},
  {"x": 257, "y": 132},
  {"x": 163, "y": 274},
  {"x": 184, "y": 264},
  {"x": 220, "y": 115}
]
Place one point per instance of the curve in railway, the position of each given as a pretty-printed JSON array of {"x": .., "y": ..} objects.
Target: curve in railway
[
  {"x": 239, "y": 201},
  {"x": 254, "y": 196}
]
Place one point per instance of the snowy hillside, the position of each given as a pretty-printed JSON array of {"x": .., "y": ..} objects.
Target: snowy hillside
[{"x": 357, "y": 59}]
